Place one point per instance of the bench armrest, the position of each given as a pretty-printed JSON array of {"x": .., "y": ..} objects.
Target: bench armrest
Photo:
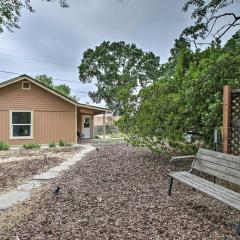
[{"x": 182, "y": 157}]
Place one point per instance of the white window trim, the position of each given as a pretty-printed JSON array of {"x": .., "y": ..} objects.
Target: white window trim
[
  {"x": 26, "y": 88},
  {"x": 11, "y": 125}
]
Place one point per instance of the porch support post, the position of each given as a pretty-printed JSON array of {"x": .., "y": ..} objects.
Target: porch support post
[
  {"x": 104, "y": 127},
  {"x": 76, "y": 125},
  {"x": 227, "y": 98}
]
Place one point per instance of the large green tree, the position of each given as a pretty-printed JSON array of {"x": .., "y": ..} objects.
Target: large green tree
[
  {"x": 188, "y": 99},
  {"x": 10, "y": 12},
  {"x": 119, "y": 71},
  {"x": 62, "y": 88}
]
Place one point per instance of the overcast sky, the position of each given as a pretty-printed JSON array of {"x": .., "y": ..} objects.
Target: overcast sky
[{"x": 52, "y": 40}]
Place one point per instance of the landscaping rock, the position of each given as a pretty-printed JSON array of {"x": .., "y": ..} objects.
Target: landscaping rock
[
  {"x": 28, "y": 186},
  {"x": 67, "y": 163},
  {"x": 46, "y": 176},
  {"x": 11, "y": 198},
  {"x": 59, "y": 169}
]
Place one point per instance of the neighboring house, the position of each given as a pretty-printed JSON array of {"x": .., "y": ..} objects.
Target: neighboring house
[
  {"x": 31, "y": 112},
  {"x": 101, "y": 121},
  {"x": 109, "y": 120}
]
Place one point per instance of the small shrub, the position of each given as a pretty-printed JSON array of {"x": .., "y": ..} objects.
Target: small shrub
[
  {"x": 31, "y": 146},
  {"x": 3, "y": 146},
  {"x": 52, "y": 144},
  {"x": 64, "y": 144},
  {"x": 61, "y": 143}
]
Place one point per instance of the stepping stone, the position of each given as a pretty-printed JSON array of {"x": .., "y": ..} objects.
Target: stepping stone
[
  {"x": 9, "y": 199},
  {"x": 58, "y": 169},
  {"x": 28, "y": 186},
  {"x": 46, "y": 176},
  {"x": 67, "y": 163},
  {"x": 75, "y": 159},
  {"x": 22, "y": 193}
]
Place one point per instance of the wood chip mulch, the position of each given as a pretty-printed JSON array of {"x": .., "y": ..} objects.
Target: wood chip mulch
[
  {"x": 119, "y": 192},
  {"x": 19, "y": 166}
]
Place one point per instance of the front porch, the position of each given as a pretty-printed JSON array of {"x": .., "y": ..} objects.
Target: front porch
[{"x": 85, "y": 121}]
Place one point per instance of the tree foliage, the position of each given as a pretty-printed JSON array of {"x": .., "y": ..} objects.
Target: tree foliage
[
  {"x": 160, "y": 105},
  {"x": 10, "y": 12},
  {"x": 62, "y": 88},
  {"x": 119, "y": 70},
  {"x": 214, "y": 17},
  {"x": 187, "y": 98}
]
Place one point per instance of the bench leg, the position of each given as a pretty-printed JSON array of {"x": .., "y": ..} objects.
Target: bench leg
[
  {"x": 214, "y": 179},
  {"x": 170, "y": 183},
  {"x": 238, "y": 230}
]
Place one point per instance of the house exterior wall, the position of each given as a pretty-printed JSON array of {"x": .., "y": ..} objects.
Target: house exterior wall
[{"x": 53, "y": 118}]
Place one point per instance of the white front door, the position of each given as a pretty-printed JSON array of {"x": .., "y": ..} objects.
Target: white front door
[{"x": 87, "y": 126}]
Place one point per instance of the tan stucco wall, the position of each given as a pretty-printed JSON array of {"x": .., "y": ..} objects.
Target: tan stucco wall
[{"x": 53, "y": 118}]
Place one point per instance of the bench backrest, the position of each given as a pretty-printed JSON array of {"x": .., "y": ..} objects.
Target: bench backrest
[{"x": 220, "y": 165}]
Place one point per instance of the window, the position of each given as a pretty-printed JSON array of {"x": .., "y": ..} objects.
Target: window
[
  {"x": 21, "y": 124},
  {"x": 26, "y": 85},
  {"x": 86, "y": 123}
]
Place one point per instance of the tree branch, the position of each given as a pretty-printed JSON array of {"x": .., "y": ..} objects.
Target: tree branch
[
  {"x": 231, "y": 25},
  {"x": 226, "y": 25},
  {"x": 222, "y": 15},
  {"x": 215, "y": 18}
]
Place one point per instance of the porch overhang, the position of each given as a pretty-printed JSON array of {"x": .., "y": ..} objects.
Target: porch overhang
[
  {"x": 85, "y": 119},
  {"x": 91, "y": 110}
]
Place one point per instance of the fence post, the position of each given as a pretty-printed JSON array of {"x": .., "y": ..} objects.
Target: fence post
[
  {"x": 227, "y": 98},
  {"x": 104, "y": 127}
]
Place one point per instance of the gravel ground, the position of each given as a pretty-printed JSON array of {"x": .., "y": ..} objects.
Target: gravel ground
[
  {"x": 119, "y": 192},
  {"x": 19, "y": 166}
]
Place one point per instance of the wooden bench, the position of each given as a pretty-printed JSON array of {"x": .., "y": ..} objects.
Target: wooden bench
[{"x": 216, "y": 164}]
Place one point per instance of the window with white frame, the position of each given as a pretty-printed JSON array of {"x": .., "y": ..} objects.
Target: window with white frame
[{"x": 21, "y": 124}]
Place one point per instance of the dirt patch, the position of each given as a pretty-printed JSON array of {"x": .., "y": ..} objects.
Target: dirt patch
[
  {"x": 119, "y": 192},
  {"x": 19, "y": 166}
]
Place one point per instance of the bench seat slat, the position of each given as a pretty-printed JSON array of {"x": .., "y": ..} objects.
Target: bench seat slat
[
  {"x": 210, "y": 189},
  {"x": 210, "y": 185},
  {"x": 219, "y": 188}
]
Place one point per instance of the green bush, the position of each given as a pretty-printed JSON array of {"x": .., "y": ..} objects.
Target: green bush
[
  {"x": 52, "y": 144},
  {"x": 61, "y": 143},
  {"x": 96, "y": 137},
  {"x": 64, "y": 144},
  {"x": 3, "y": 146},
  {"x": 31, "y": 146}
]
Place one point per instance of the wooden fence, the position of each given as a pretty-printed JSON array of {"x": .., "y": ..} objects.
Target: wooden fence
[{"x": 231, "y": 121}]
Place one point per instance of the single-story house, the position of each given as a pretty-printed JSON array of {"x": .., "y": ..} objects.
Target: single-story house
[{"x": 31, "y": 112}]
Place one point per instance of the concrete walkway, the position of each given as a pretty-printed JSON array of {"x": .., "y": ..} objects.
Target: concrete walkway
[{"x": 23, "y": 192}]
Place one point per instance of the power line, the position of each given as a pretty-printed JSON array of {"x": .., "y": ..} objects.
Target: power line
[
  {"x": 9, "y": 72},
  {"x": 36, "y": 60},
  {"x": 55, "y": 79}
]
